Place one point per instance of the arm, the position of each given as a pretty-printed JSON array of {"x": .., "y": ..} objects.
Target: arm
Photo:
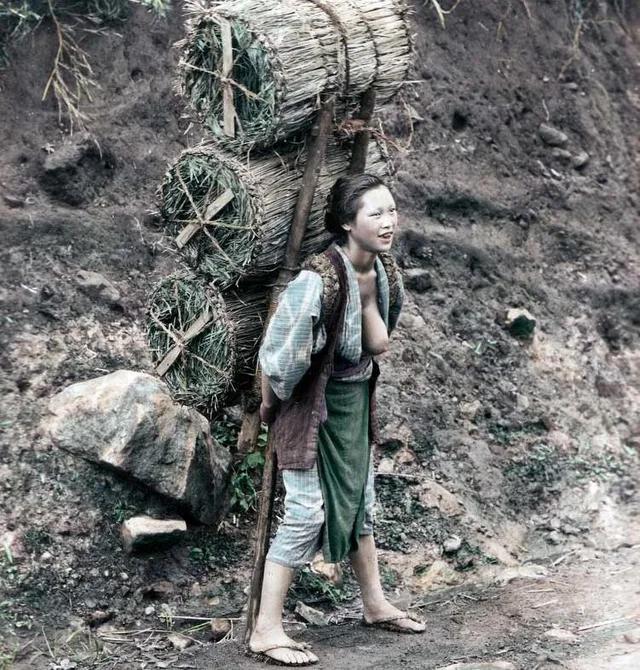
[
  {"x": 269, "y": 402},
  {"x": 285, "y": 354}
]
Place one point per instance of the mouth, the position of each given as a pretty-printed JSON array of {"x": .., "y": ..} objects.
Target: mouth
[{"x": 387, "y": 237}]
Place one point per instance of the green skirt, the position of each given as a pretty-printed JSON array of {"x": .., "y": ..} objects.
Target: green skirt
[{"x": 343, "y": 466}]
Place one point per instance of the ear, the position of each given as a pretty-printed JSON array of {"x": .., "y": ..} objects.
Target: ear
[{"x": 346, "y": 227}]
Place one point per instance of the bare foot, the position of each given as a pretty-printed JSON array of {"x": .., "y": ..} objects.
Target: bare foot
[
  {"x": 387, "y": 612},
  {"x": 276, "y": 644}
]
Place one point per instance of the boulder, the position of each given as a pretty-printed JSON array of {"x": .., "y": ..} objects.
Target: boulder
[
  {"x": 127, "y": 421},
  {"x": 144, "y": 532}
]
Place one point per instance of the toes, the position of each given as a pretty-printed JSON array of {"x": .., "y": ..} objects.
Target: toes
[{"x": 312, "y": 657}]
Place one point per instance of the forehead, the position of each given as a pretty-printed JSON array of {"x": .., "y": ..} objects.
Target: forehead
[{"x": 377, "y": 197}]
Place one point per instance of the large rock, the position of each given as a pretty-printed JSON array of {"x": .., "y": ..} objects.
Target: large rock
[{"x": 128, "y": 421}]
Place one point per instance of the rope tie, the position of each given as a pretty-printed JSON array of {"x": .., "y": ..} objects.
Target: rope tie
[{"x": 338, "y": 23}]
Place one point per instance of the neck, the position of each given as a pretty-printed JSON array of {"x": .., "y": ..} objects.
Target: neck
[{"x": 362, "y": 260}]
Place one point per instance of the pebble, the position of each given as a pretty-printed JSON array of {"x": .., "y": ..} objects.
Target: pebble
[
  {"x": 562, "y": 155},
  {"x": 311, "y": 615},
  {"x": 386, "y": 466},
  {"x": 219, "y": 628},
  {"x": 552, "y": 136},
  {"x": 496, "y": 665},
  {"x": 149, "y": 610},
  {"x": 180, "y": 642},
  {"x": 14, "y": 200},
  {"x": 580, "y": 160},
  {"x": 632, "y": 636},
  {"x": 520, "y": 323},
  {"x": 452, "y": 544},
  {"x": 561, "y": 635}
]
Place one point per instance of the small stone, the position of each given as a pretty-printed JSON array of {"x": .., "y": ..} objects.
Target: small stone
[
  {"x": 386, "y": 466},
  {"x": 179, "y": 642},
  {"x": 311, "y": 615},
  {"x": 554, "y": 537},
  {"x": 160, "y": 589},
  {"x": 435, "y": 495},
  {"x": 520, "y": 323},
  {"x": 562, "y": 155},
  {"x": 568, "y": 529},
  {"x": 439, "y": 574},
  {"x": 195, "y": 590},
  {"x": 46, "y": 556},
  {"x": 141, "y": 532},
  {"x": 332, "y": 572},
  {"x": 98, "y": 617},
  {"x": 405, "y": 456},
  {"x": 149, "y": 610},
  {"x": 124, "y": 576},
  {"x": 219, "y": 628},
  {"x": 552, "y": 136},
  {"x": 495, "y": 665},
  {"x": 632, "y": 636},
  {"x": 98, "y": 287},
  {"x": 452, "y": 544},
  {"x": 561, "y": 635},
  {"x": 418, "y": 280},
  {"x": 572, "y": 86},
  {"x": 14, "y": 200},
  {"x": 580, "y": 160},
  {"x": 470, "y": 409}
]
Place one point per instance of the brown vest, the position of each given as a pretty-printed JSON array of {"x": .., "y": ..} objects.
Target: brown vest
[{"x": 295, "y": 429}]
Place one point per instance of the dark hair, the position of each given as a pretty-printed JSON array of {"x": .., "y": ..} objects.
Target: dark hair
[{"x": 344, "y": 201}]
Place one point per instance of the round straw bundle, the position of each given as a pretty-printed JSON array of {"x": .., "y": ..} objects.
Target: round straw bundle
[
  {"x": 282, "y": 56},
  {"x": 246, "y": 238},
  {"x": 212, "y": 365}
]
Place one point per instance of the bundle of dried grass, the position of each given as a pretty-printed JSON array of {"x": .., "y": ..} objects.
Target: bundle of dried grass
[
  {"x": 232, "y": 221},
  {"x": 204, "y": 342},
  {"x": 253, "y": 71}
]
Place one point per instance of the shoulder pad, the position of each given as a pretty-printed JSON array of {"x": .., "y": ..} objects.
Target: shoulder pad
[
  {"x": 393, "y": 275},
  {"x": 320, "y": 264}
]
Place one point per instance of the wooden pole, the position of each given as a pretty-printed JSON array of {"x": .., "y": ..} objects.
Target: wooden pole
[
  {"x": 228, "y": 110},
  {"x": 315, "y": 158},
  {"x": 361, "y": 141}
]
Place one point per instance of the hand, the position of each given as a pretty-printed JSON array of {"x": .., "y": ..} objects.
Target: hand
[{"x": 267, "y": 413}]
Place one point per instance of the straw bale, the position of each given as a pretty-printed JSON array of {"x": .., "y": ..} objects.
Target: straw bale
[
  {"x": 286, "y": 55},
  {"x": 216, "y": 364},
  {"x": 247, "y": 238}
]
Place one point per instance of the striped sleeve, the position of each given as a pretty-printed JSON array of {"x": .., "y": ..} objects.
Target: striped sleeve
[{"x": 291, "y": 337}]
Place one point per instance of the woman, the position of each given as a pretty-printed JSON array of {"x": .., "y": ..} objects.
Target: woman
[{"x": 318, "y": 382}]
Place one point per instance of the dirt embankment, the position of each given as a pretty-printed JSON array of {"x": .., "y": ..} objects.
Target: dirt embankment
[{"x": 524, "y": 449}]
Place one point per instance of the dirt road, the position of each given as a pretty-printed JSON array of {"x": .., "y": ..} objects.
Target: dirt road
[{"x": 593, "y": 594}]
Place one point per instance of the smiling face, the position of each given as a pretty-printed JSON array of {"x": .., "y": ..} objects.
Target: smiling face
[{"x": 375, "y": 222}]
